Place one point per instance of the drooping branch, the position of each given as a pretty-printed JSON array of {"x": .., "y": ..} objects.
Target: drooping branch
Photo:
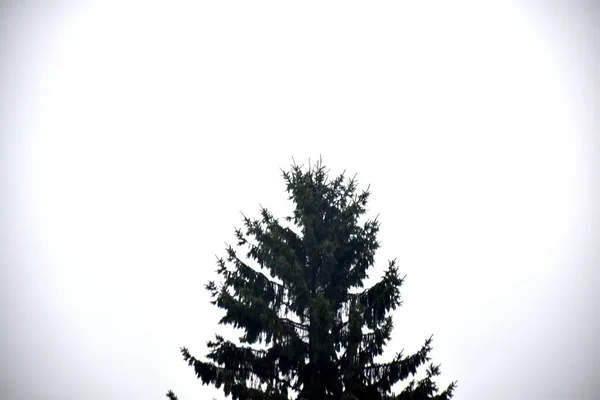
[
  {"x": 257, "y": 319},
  {"x": 381, "y": 298},
  {"x": 281, "y": 252},
  {"x": 387, "y": 375}
]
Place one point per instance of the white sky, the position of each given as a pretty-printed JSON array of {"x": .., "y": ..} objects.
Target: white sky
[{"x": 132, "y": 134}]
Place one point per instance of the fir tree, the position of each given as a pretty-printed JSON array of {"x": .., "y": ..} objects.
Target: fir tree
[{"x": 311, "y": 330}]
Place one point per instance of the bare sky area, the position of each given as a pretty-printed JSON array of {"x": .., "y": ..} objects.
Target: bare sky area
[{"x": 133, "y": 133}]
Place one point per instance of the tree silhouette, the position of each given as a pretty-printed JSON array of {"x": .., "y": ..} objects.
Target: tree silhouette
[{"x": 311, "y": 330}]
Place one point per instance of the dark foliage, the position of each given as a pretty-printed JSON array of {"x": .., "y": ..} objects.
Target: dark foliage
[{"x": 311, "y": 330}]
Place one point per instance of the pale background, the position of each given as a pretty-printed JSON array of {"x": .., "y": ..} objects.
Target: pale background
[{"x": 133, "y": 133}]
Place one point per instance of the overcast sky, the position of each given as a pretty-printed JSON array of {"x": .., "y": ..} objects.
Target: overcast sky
[{"x": 133, "y": 133}]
